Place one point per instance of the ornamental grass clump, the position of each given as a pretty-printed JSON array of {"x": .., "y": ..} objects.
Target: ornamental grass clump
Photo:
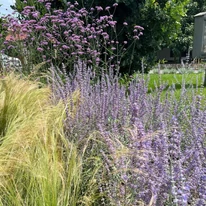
[
  {"x": 38, "y": 165},
  {"x": 154, "y": 142}
]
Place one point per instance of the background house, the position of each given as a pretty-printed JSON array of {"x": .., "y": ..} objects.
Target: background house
[{"x": 169, "y": 57}]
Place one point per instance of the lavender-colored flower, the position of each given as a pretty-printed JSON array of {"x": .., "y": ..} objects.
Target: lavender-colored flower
[
  {"x": 162, "y": 156},
  {"x": 40, "y": 49},
  {"x": 136, "y": 37},
  {"x": 65, "y": 47},
  {"x": 44, "y": 43},
  {"x": 99, "y": 8},
  {"x": 112, "y": 23},
  {"x": 49, "y": 35},
  {"x": 138, "y": 27},
  {"x": 76, "y": 3},
  {"x": 80, "y": 52},
  {"x": 35, "y": 14}
]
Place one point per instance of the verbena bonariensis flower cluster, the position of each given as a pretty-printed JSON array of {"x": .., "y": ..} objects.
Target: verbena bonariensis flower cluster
[
  {"x": 67, "y": 36},
  {"x": 154, "y": 148}
]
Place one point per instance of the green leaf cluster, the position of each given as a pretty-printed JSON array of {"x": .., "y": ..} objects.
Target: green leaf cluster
[{"x": 184, "y": 41}]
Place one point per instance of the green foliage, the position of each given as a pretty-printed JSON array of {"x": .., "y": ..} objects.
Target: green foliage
[
  {"x": 161, "y": 20},
  {"x": 185, "y": 40},
  {"x": 2, "y": 30},
  {"x": 162, "y": 23}
]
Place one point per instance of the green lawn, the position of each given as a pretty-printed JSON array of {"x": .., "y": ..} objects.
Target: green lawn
[
  {"x": 193, "y": 82},
  {"x": 177, "y": 79}
]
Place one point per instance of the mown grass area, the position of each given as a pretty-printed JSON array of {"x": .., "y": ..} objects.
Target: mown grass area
[
  {"x": 176, "y": 79},
  {"x": 192, "y": 82}
]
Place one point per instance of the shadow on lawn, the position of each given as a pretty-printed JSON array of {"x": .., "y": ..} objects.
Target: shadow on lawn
[{"x": 176, "y": 87}]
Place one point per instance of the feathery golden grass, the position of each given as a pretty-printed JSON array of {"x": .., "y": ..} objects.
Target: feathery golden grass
[{"x": 38, "y": 165}]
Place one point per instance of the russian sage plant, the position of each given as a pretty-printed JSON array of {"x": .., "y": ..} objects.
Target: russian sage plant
[{"x": 154, "y": 148}]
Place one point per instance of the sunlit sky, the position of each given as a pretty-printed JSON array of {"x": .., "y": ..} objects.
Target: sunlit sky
[{"x": 5, "y": 8}]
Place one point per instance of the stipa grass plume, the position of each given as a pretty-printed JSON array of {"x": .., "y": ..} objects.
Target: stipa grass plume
[
  {"x": 38, "y": 165},
  {"x": 16, "y": 104}
]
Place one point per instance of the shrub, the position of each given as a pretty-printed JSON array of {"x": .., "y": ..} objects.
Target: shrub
[{"x": 69, "y": 36}]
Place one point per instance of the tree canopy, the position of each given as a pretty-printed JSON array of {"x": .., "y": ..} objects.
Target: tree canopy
[
  {"x": 2, "y": 30},
  {"x": 185, "y": 41}
]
